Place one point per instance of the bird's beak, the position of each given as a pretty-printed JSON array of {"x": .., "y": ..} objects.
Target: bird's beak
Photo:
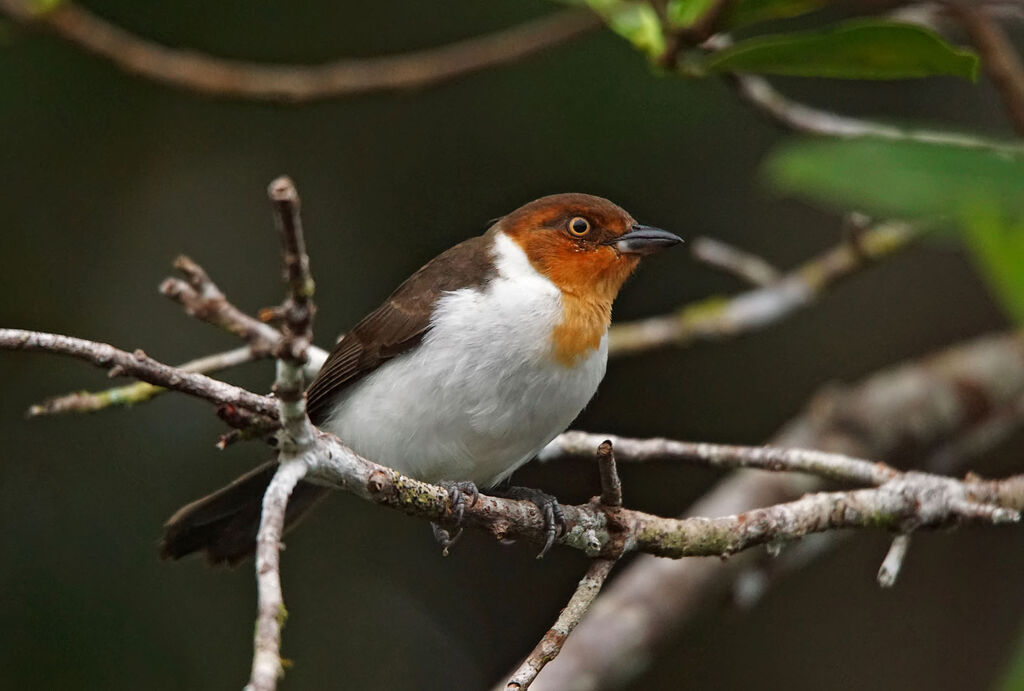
[{"x": 644, "y": 240}]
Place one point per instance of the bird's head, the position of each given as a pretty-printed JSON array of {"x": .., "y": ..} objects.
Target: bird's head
[{"x": 586, "y": 245}]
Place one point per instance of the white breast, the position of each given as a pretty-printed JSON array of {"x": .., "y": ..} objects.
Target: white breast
[{"x": 481, "y": 395}]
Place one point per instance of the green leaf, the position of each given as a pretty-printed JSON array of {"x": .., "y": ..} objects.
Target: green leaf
[
  {"x": 997, "y": 244},
  {"x": 865, "y": 49},
  {"x": 894, "y": 178},
  {"x": 637, "y": 22},
  {"x": 754, "y": 11}
]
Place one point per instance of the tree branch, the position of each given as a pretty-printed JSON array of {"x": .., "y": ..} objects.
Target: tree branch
[
  {"x": 745, "y": 266},
  {"x": 138, "y": 365},
  {"x": 907, "y": 501},
  {"x": 296, "y": 438},
  {"x": 298, "y": 83},
  {"x": 900, "y": 500},
  {"x": 998, "y": 57},
  {"x": 551, "y": 644},
  {"x": 763, "y": 97},
  {"x": 832, "y": 466},
  {"x": 130, "y": 394}
]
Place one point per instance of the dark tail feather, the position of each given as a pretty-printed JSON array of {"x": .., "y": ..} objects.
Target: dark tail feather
[{"x": 224, "y": 524}]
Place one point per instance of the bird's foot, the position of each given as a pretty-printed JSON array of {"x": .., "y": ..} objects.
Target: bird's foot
[
  {"x": 444, "y": 537},
  {"x": 457, "y": 493},
  {"x": 554, "y": 520}
]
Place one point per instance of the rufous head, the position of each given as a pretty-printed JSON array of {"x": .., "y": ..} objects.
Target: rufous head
[{"x": 586, "y": 245}]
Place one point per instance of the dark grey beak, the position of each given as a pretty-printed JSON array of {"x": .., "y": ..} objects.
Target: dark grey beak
[{"x": 644, "y": 240}]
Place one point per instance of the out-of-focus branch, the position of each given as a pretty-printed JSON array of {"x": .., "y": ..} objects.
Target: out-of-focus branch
[
  {"x": 792, "y": 115},
  {"x": 744, "y": 265},
  {"x": 138, "y": 365},
  {"x": 998, "y": 57},
  {"x": 953, "y": 393},
  {"x": 297, "y": 83},
  {"x": 719, "y": 317}
]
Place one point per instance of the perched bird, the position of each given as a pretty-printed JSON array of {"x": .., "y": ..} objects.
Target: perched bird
[{"x": 466, "y": 371}]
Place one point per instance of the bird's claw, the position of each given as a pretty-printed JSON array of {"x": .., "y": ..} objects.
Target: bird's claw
[
  {"x": 554, "y": 519},
  {"x": 457, "y": 493}
]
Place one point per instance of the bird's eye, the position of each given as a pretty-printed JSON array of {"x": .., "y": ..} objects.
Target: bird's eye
[{"x": 579, "y": 226}]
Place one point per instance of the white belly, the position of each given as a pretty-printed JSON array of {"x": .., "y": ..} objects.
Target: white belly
[{"x": 481, "y": 395}]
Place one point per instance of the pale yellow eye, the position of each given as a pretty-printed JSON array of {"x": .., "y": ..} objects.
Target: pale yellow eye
[{"x": 579, "y": 226}]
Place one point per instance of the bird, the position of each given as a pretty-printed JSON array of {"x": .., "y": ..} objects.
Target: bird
[{"x": 466, "y": 371}]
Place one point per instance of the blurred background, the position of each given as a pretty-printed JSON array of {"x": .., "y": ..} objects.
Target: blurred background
[{"x": 107, "y": 177}]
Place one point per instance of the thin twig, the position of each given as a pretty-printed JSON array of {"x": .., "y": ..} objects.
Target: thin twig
[
  {"x": 889, "y": 571},
  {"x": 761, "y": 95},
  {"x": 998, "y": 57},
  {"x": 587, "y": 589},
  {"x": 130, "y": 394},
  {"x": 138, "y": 365},
  {"x": 551, "y": 644},
  {"x": 141, "y": 392},
  {"x": 296, "y": 313},
  {"x": 202, "y": 299},
  {"x": 298, "y": 83},
  {"x": 746, "y": 266},
  {"x": 720, "y": 317}
]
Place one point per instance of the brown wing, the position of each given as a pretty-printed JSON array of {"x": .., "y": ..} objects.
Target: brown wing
[{"x": 400, "y": 323}]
